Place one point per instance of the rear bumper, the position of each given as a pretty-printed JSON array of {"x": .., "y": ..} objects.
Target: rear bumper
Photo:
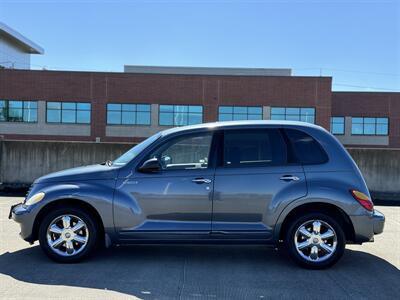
[
  {"x": 379, "y": 222},
  {"x": 366, "y": 226}
]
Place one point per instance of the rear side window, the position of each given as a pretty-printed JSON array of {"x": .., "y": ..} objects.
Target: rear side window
[
  {"x": 306, "y": 149},
  {"x": 254, "y": 148}
]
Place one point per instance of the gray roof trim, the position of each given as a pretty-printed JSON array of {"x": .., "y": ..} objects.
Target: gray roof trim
[
  {"x": 171, "y": 70},
  {"x": 244, "y": 123},
  {"x": 20, "y": 40}
]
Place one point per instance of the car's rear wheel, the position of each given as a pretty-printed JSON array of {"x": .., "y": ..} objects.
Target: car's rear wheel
[
  {"x": 315, "y": 240},
  {"x": 68, "y": 235}
]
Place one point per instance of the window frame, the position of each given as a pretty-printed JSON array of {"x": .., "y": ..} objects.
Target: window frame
[
  {"x": 375, "y": 126},
  {"x": 344, "y": 125},
  {"x": 76, "y": 112},
  {"x": 173, "y": 114},
  {"x": 7, "y": 110},
  {"x": 232, "y": 114},
  {"x": 135, "y": 111},
  {"x": 297, "y": 107}
]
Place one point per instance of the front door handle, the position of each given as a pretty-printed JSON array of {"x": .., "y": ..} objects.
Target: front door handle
[
  {"x": 289, "y": 178},
  {"x": 201, "y": 180}
]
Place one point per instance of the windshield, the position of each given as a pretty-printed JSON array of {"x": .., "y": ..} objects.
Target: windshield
[{"x": 133, "y": 152}]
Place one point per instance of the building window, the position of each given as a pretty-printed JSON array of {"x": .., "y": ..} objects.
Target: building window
[
  {"x": 180, "y": 115},
  {"x": 305, "y": 114},
  {"x": 369, "y": 126},
  {"x": 337, "y": 125},
  {"x": 128, "y": 114},
  {"x": 68, "y": 112},
  {"x": 230, "y": 113},
  {"x": 18, "y": 111}
]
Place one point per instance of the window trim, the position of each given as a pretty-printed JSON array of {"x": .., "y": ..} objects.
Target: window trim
[
  {"x": 246, "y": 114},
  {"x": 128, "y": 125},
  {"x": 344, "y": 125},
  {"x": 76, "y": 113},
  {"x": 299, "y": 107},
  {"x": 7, "y": 109},
  {"x": 375, "y": 123},
  {"x": 173, "y": 112}
]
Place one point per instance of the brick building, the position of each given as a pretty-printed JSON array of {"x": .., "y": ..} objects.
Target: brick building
[{"x": 131, "y": 105}]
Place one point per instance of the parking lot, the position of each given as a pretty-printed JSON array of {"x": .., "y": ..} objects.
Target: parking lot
[{"x": 198, "y": 272}]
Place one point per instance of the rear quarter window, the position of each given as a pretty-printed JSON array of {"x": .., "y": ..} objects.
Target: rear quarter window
[{"x": 306, "y": 149}]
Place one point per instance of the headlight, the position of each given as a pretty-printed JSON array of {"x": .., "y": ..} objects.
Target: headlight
[{"x": 35, "y": 198}]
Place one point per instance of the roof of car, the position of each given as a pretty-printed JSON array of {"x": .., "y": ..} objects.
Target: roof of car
[{"x": 249, "y": 123}]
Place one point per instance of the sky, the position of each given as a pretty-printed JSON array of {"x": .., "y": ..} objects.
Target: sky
[{"x": 355, "y": 42}]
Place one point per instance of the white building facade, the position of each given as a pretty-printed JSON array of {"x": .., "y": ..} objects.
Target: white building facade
[{"x": 15, "y": 49}]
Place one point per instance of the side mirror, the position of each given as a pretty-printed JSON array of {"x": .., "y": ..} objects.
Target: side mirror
[
  {"x": 151, "y": 165},
  {"x": 166, "y": 160}
]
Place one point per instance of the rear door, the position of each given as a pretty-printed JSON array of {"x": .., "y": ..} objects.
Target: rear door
[{"x": 255, "y": 172}]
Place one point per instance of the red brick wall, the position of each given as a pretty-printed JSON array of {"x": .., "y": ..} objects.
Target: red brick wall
[
  {"x": 209, "y": 91},
  {"x": 370, "y": 104}
]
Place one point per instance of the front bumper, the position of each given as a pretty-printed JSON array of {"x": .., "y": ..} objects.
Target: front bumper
[{"x": 21, "y": 214}]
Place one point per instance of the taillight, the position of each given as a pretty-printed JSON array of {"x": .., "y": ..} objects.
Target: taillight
[{"x": 362, "y": 199}]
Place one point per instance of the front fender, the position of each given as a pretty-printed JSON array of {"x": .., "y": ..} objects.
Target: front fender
[{"x": 96, "y": 193}]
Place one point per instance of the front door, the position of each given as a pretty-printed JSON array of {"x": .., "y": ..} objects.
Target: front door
[
  {"x": 176, "y": 200},
  {"x": 253, "y": 177}
]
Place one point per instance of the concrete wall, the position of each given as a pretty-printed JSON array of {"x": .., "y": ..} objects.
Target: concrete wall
[
  {"x": 22, "y": 162},
  {"x": 381, "y": 170}
]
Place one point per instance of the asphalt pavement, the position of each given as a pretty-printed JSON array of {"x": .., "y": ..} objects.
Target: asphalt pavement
[{"x": 369, "y": 271}]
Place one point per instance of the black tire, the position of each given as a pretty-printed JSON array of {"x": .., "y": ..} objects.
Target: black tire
[
  {"x": 290, "y": 245},
  {"x": 92, "y": 240}
]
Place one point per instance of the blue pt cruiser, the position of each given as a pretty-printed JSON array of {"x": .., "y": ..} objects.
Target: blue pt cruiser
[{"x": 289, "y": 184}]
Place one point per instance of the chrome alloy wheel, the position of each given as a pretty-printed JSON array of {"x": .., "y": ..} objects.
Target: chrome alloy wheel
[
  {"x": 67, "y": 235},
  {"x": 315, "y": 240}
]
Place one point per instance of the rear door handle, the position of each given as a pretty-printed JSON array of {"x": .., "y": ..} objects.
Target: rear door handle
[
  {"x": 201, "y": 180},
  {"x": 289, "y": 178}
]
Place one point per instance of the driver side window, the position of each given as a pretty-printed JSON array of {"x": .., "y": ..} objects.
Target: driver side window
[{"x": 183, "y": 153}]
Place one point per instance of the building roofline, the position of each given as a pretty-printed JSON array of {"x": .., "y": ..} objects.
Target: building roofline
[
  {"x": 127, "y": 75},
  {"x": 176, "y": 70},
  {"x": 23, "y": 42}
]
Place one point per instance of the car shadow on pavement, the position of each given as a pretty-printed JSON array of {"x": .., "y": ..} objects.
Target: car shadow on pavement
[{"x": 193, "y": 271}]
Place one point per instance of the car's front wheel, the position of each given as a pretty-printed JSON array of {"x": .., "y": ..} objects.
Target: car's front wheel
[
  {"x": 68, "y": 235},
  {"x": 315, "y": 240}
]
